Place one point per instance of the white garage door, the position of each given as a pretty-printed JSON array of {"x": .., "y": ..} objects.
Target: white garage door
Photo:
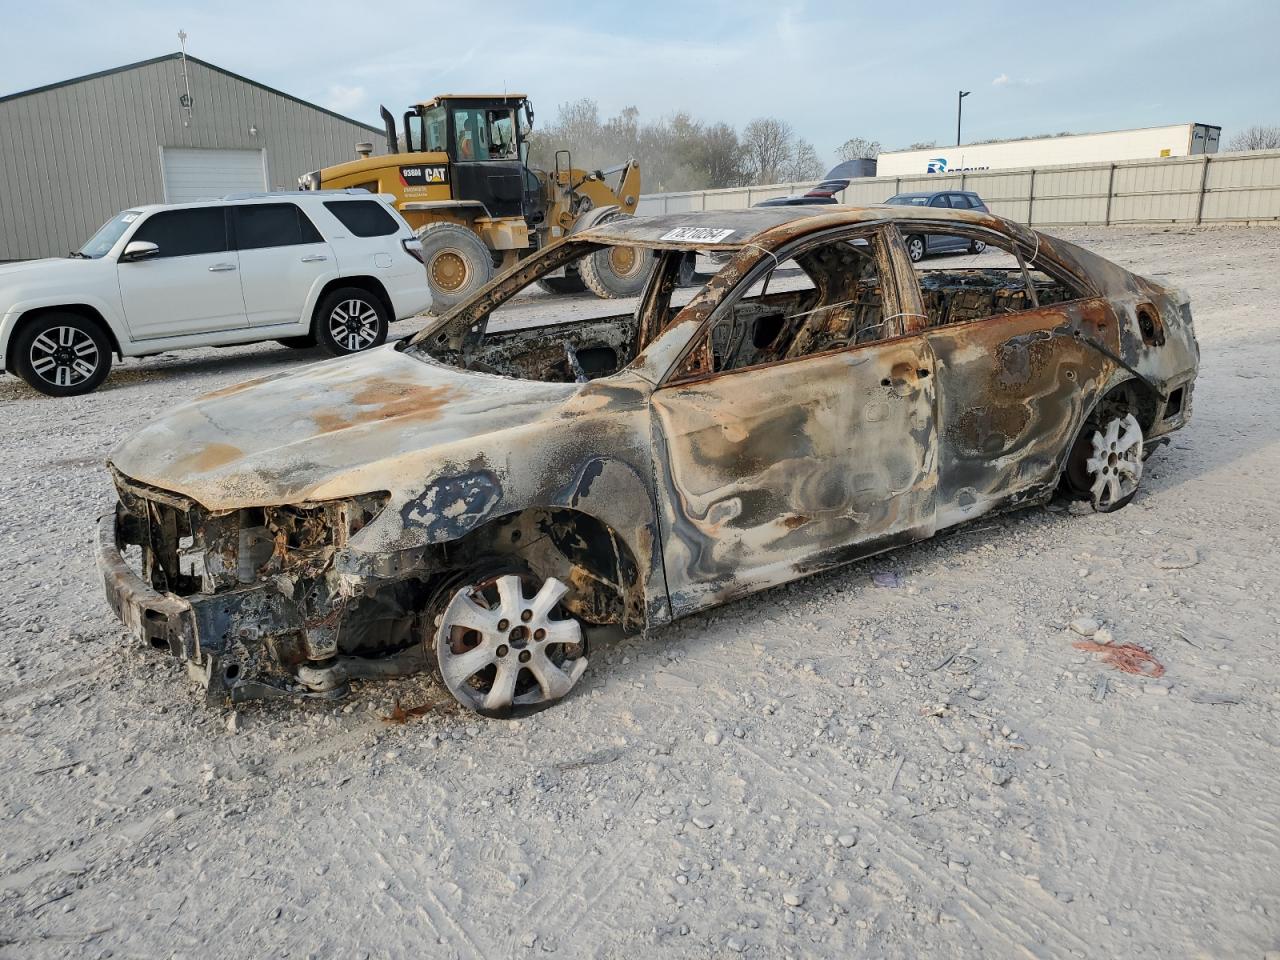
[{"x": 194, "y": 174}]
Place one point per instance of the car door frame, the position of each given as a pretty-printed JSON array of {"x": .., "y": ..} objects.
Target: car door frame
[
  {"x": 227, "y": 265},
  {"x": 696, "y": 577},
  {"x": 323, "y": 256},
  {"x": 979, "y": 362}
]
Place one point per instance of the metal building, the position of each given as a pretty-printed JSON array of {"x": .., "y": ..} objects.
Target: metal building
[{"x": 72, "y": 154}]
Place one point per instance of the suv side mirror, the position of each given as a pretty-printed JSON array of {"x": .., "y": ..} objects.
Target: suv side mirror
[{"x": 139, "y": 250}]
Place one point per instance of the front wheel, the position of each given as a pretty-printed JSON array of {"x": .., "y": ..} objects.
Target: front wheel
[
  {"x": 350, "y": 320},
  {"x": 62, "y": 354},
  {"x": 506, "y": 643},
  {"x": 458, "y": 263},
  {"x": 1105, "y": 463},
  {"x": 915, "y": 248},
  {"x": 977, "y": 246}
]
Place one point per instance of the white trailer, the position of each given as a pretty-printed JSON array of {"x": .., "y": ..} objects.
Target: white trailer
[{"x": 1178, "y": 140}]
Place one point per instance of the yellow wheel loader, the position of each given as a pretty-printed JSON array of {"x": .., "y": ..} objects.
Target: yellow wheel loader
[{"x": 460, "y": 176}]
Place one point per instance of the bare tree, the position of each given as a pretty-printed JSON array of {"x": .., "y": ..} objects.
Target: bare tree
[
  {"x": 767, "y": 146},
  {"x": 1256, "y": 138},
  {"x": 721, "y": 156},
  {"x": 858, "y": 148},
  {"x": 922, "y": 145},
  {"x": 803, "y": 164}
]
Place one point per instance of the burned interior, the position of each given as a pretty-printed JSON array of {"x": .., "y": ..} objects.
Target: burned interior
[{"x": 480, "y": 498}]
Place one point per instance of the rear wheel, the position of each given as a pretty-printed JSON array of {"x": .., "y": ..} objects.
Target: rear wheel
[
  {"x": 616, "y": 271},
  {"x": 350, "y": 320},
  {"x": 457, "y": 261},
  {"x": 1105, "y": 463},
  {"x": 62, "y": 354},
  {"x": 505, "y": 643}
]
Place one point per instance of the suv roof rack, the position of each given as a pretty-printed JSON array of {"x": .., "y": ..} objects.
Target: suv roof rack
[{"x": 293, "y": 194}]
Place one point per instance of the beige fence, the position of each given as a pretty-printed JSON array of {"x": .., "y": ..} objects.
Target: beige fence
[{"x": 1210, "y": 188}]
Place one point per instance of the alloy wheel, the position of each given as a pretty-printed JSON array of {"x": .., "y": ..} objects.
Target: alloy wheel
[
  {"x": 1115, "y": 466},
  {"x": 499, "y": 648},
  {"x": 353, "y": 324},
  {"x": 64, "y": 356}
]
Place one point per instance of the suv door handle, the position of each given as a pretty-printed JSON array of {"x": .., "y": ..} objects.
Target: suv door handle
[
  {"x": 314, "y": 258},
  {"x": 222, "y": 267}
]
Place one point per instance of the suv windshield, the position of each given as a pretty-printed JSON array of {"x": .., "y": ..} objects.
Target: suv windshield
[
  {"x": 111, "y": 231},
  {"x": 910, "y": 200}
]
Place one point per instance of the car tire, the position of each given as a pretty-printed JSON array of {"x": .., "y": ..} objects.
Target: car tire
[
  {"x": 484, "y": 608},
  {"x": 977, "y": 246},
  {"x": 616, "y": 272},
  {"x": 1104, "y": 465},
  {"x": 62, "y": 354},
  {"x": 457, "y": 263},
  {"x": 569, "y": 283},
  {"x": 299, "y": 343},
  {"x": 350, "y": 320},
  {"x": 915, "y": 247}
]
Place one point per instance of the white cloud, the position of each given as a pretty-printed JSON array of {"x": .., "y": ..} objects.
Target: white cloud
[
  {"x": 1004, "y": 80},
  {"x": 344, "y": 99}
]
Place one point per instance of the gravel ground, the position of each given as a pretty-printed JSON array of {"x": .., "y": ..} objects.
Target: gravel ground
[{"x": 832, "y": 768}]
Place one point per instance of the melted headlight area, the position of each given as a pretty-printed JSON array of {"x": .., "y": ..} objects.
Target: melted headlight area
[
  {"x": 268, "y": 614},
  {"x": 262, "y": 601}
]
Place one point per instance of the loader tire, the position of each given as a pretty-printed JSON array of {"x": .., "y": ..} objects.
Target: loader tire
[
  {"x": 569, "y": 283},
  {"x": 616, "y": 271},
  {"x": 458, "y": 263}
]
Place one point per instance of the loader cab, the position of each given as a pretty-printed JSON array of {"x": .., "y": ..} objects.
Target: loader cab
[{"x": 484, "y": 139}]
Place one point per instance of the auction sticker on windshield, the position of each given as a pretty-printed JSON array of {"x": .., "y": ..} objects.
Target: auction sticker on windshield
[{"x": 697, "y": 235}]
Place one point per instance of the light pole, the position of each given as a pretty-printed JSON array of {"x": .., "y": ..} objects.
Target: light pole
[{"x": 959, "y": 111}]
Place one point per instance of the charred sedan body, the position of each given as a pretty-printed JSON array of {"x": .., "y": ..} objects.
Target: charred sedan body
[{"x": 475, "y": 498}]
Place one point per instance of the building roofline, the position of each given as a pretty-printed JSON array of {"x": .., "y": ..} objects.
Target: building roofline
[
  {"x": 204, "y": 63},
  {"x": 1052, "y": 136}
]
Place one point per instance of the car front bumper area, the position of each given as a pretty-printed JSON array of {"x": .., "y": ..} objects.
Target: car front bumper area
[{"x": 207, "y": 632}]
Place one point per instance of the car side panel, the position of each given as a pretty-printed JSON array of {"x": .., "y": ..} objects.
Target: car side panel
[
  {"x": 771, "y": 473},
  {"x": 1013, "y": 391}
]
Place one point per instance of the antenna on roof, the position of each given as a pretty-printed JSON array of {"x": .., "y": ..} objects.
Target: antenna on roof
[{"x": 185, "y": 98}]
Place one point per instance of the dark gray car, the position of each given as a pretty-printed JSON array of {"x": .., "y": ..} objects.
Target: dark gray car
[{"x": 921, "y": 245}]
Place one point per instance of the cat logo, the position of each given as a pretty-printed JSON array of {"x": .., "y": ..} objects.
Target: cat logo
[{"x": 424, "y": 175}]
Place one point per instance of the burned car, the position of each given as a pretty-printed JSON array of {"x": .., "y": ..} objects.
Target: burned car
[{"x": 480, "y": 497}]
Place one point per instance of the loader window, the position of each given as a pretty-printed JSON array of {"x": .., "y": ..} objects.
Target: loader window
[
  {"x": 468, "y": 134},
  {"x": 485, "y": 134},
  {"x": 433, "y": 127}
]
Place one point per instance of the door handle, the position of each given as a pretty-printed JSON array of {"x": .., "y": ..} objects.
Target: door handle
[
  {"x": 222, "y": 267},
  {"x": 314, "y": 258}
]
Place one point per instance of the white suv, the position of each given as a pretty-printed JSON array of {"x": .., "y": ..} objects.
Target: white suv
[{"x": 332, "y": 268}]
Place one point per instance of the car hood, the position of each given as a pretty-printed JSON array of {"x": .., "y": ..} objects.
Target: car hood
[
  {"x": 380, "y": 421},
  {"x": 48, "y": 267}
]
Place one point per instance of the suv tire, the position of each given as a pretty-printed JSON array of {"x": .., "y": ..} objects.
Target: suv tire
[
  {"x": 350, "y": 320},
  {"x": 62, "y": 354},
  {"x": 457, "y": 261},
  {"x": 915, "y": 247}
]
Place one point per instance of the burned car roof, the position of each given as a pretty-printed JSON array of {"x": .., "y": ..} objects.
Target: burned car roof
[{"x": 733, "y": 229}]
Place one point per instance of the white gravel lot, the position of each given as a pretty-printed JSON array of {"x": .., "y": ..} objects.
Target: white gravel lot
[{"x": 830, "y": 769}]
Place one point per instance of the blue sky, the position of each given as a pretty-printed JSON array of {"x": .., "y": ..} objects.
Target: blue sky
[{"x": 885, "y": 71}]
